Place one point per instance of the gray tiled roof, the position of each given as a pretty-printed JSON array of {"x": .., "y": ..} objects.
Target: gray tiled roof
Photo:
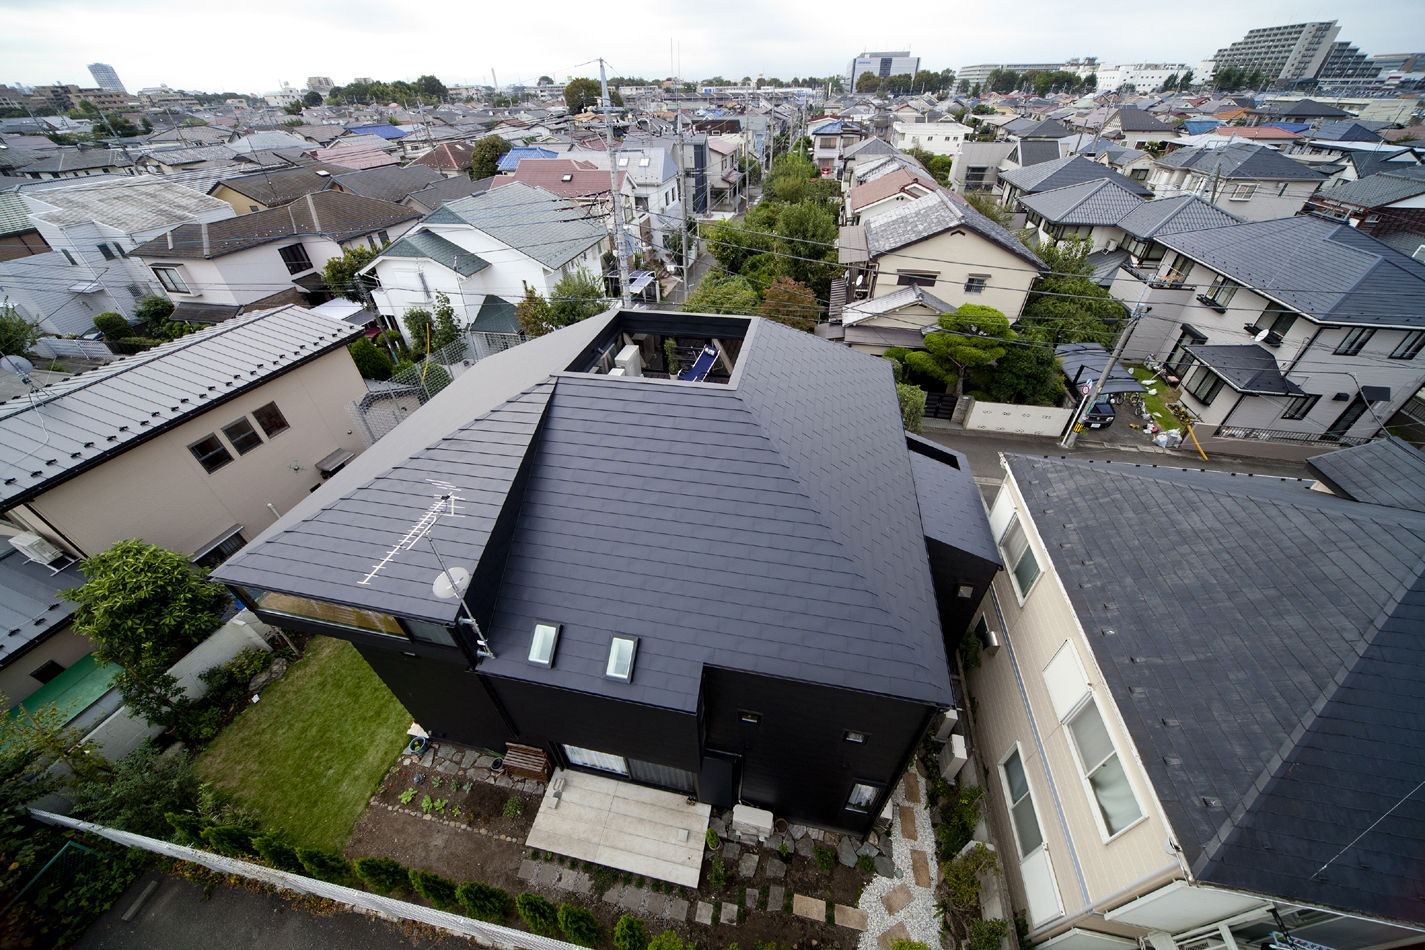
[
  {"x": 1069, "y": 170},
  {"x": 447, "y": 189},
  {"x": 933, "y": 214},
  {"x": 388, "y": 182},
  {"x": 1247, "y": 367},
  {"x": 1102, "y": 201},
  {"x": 101, "y": 413},
  {"x": 1270, "y": 680},
  {"x": 30, "y": 604},
  {"x": 1170, "y": 215},
  {"x": 70, "y": 159},
  {"x": 14, "y": 214},
  {"x": 1136, "y": 120},
  {"x": 272, "y": 188},
  {"x": 531, "y": 220},
  {"x": 1241, "y": 162},
  {"x": 1378, "y": 190},
  {"x": 496, "y": 315},
  {"x": 1035, "y": 151},
  {"x": 431, "y": 246},
  {"x": 1327, "y": 270},
  {"x": 769, "y": 524},
  {"x": 1387, "y": 471}
]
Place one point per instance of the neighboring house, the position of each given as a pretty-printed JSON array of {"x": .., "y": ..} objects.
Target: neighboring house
[
  {"x": 1089, "y": 210},
  {"x": 1227, "y": 753},
  {"x": 937, "y": 138},
  {"x": 269, "y": 189},
  {"x": 1142, "y": 226},
  {"x": 941, "y": 243},
  {"x": 36, "y": 642},
  {"x": 394, "y": 183},
  {"x": 1253, "y": 182},
  {"x": 359, "y": 151},
  {"x": 192, "y": 445},
  {"x": 91, "y": 227},
  {"x": 18, "y": 235},
  {"x": 978, "y": 166},
  {"x": 447, "y": 189},
  {"x": 168, "y": 161},
  {"x": 1297, "y": 331},
  {"x": 496, "y": 244},
  {"x": 723, "y": 173},
  {"x": 865, "y": 154},
  {"x": 1135, "y": 163},
  {"x": 451, "y": 159},
  {"x": 720, "y": 588},
  {"x": 1135, "y": 127},
  {"x": 876, "y": 324},
  {"x": 1381, "y": 204},
  {"x": 829, "y": 142},
  {"x": 1069, "y": 170},
  {"x": 80, "y": 163},
  {"x": 888, "y": 191},
  {"x": 251, "y": 257}
]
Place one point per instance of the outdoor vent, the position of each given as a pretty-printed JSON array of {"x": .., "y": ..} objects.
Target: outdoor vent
[
  {"x": 1171, "y": 723},
  {"x": 1210, "y": 802},
  {"x": 1341, "y": 397},
  {"x": 1108, "y": 632}
]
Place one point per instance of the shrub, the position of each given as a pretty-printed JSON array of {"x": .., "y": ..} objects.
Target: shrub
[
  {"x": 962, "y": 877},
  {"x": 959, "y": 816},
  {"x": 325, "y": 865},
  {"x": 630, "y": 934},
  {"x": 539, "y": 915},
  {"x": 230, "y": 840},
  {"x": 277, "y": 853},
  {"x": 440, "y": 891},
  {"x": 866, "y": 864},
  {"x": 825, "y": 858},
  {"x": 188, "y": 827},
  {"x": 713, "y": 840},
  {"x": 514, "y": 807},
  {"x": 382, "y": 875},
  {"x": 908, "y": 945},
  {"x": 579, "y": 926},
  {"x": 484, "y": 901},
  {"x": 370, "y": 362},
  {"x": 912, "y": 403},
  {"x": 986, "y": 934},
  {"x": 667, "y": 940},
  {"x": 717, "y": 875},
  {"x": 153, "y": 311},
  {"x": 113, "y": 325}
]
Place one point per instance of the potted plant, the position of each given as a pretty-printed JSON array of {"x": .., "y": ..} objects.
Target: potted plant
[{"x": 714, "y": 842}]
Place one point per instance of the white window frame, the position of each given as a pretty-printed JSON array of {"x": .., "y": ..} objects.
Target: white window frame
[
  {"x": 1009, "y": 803},
  {"x": 612, "y": 670},
  {"x": 1243, "y": 192},
  {"x": 1030, "y": 548},
  {"x": 1104, "y": 834},
  {"x": 172, "y": 275},
  {"x": 544, "y": 641}
]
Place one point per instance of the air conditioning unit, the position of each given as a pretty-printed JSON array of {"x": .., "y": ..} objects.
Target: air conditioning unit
[
  {"x": 945, "y": 727},
  {"x": 952, "y": 758},
  {"x": 630, "y": 360},
  {"x": 36, "y": 549}
]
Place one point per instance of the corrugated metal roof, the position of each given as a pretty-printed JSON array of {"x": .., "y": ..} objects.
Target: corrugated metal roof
[
  {"x": 129, "y": 204},
  {"x": 14, "y": 214},
  {"x": 30, "y": 605},
  {"x": 85, "y": 419}
]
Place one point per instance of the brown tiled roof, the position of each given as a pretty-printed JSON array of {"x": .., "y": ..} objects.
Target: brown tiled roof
[
  {"x": 454, "y": 156},
  {"x": 879, "y": 189},
  {"x": 584, "y": 178}
]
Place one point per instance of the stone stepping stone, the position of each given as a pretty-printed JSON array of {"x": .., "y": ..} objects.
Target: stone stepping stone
[
  {"x": 528, "y": 869},
  {"x": 775, "y": 869},
  {"x": 920, "y": 867},
  {"x": 750, "y": 898},
  {"x": 898, "y": 932},
  {"x": 912, "y": 788},
  {"x": 747, "y": 864},
  {"x": 547, "y": 874},
  {"x": 677, "y": 909},
  {"x": 907, "y": 822},
  {"x": 811, "y": 908},
  {"x": 852, "y": 917},
  {"x": 727, "y": 915},
  {"x": 805, "y": 846},
  {"x": 654, "y": 905},
  {"x": 776, "y": 896},
  {"x": 632, "y": 898},
  {"x": 896, "y": 899},
  {"x": 704, "y": 913}
]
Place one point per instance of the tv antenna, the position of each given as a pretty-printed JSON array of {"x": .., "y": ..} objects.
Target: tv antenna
[{"x": 445, "y": 504}]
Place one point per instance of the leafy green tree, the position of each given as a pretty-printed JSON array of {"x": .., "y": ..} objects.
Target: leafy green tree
[
  {"x": 867, "y": 82},
  {"x": 806, "y": 238},
  {"x": 325, "y": 865},
  {"x": 420, "y": 328},
  {"x": 440, "y": 891},
  {"x": 723, "y": 293},
  {"x": 339, "y": 273},
  {"x": 141, "y": 788},
  {"x": 579, "y": 925},
  {"x": 485, "y": 156},
  {"x": 1027, "y": 376},
  {"x": 667, "y": 940},
  {"x": 912, "y": 403},
  {"x": 580, "y": 95},
  {"x": 539, "y": 915},
  {"x": 1065, "y": 305},
  {"x": 447, "y": 331},
  {"x": 153, "y": 312},
  {"x": 428, "y": 87},
  {"x": 293, "y": 108},
  {"x": 1185, "y": 80},
  {"x": 312, "y": 98},
  {"x": 485, "y": 901},
  {"x": 972, "y": 336},
  {"x": 546, "y": 81},
  {"x": 32, "y": 742},
  {"x": 534, "y": 315},
  {"x": 789, "y": 302},
  {"x": 985, "y": 204},
  {"x": 630, "y": 933},
  {"x": 370, "y": 362},
  {"x": 732, "y": 243},
  {"x": 17, "y": 334},
  {"x": 577, "y": 296},
  {"x": 937, "y": 165}
]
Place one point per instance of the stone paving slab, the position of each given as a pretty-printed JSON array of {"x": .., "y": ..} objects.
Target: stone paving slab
[
  {"x": 776, "y": 896},
  {"x": 898, "y": 932},
  {"x": 676, "y": 909},
  {"x": 654, "y": 904},
  {"x": 547, "y": 874},
  {"x": 907, "y": 828},
  {"x": 527, "y": 870},
  {"x": 727, "y": 914},
  {"x": 912, "y": 787},
  {"x": 632, "y": 898},
  {"x": 704, "y": 913},
  {"x": 896, "y": 899},
  {"x": 776, "y": 869},
  {"x": 920, "y": 867},
  {"x": 811, "y": 908},
  {"x": 750, "y": 898},
  {"x": 850, "y": 917},
  {"x": 747, "y": 864}
]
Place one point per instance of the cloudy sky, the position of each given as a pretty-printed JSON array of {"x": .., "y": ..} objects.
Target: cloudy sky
[{"x": 250, "y": 47}]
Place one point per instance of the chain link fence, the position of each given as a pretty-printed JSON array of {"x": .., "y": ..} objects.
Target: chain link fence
[{"x": 489, "y": 935}]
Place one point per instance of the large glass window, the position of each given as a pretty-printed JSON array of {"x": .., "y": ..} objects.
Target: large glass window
[
  {"x": 1021, "y": 805},
  {"x": 211, "y": 453},
  {"x": 337, "y": 615},
  {"x": 242, "y": 435},
  {"x": 1222, "y": 290},
  {"x": 1277, "y": 319},
  {"x": 295, "y": 257},
  {"x": 271, "y": 419},
  {"x": 1354, "y": 341},
  {"x": 1019, "y": 556},
  {"x": 1204, "y": 385},
  {"x": 1103, "y": 770},
  {"x": 171, "y": 280},
  {"x": 1298, "y": 407},
  {"x": 861, "y": 797},
  {"x": 1179, "y": 359},
  {"x": 1178, "y": 269},
  {"x": 1409, "y": 347}
]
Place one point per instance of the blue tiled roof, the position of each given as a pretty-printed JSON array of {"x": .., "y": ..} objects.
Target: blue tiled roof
[
  {"x": 384, "y": 130},
  {"x": 511, "y": 160}
]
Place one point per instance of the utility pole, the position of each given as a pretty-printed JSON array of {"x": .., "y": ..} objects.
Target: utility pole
[
  {"x": 617, "y": 199},
  {"x": 1117, "y": 354},
  {"x": 682, "y": 196}
]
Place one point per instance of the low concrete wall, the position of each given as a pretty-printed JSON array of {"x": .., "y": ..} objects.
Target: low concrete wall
[
  {"x": 1260, "y": 448},
  {"x": 1020, "y": 420}
]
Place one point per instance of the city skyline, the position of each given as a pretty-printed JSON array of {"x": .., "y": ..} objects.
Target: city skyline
[{"x": 358, "y": 39}]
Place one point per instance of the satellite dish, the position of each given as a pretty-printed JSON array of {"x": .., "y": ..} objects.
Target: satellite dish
[
  {"x": 18, "y": 365},
  {"x": 1261, "y": 336},
  {"x": 450, "y": 583}
]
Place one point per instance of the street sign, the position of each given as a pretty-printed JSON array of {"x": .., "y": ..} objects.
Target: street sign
[{"x": 1084, "y": 389}]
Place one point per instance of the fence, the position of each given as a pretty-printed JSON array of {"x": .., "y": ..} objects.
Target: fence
[
  {"x": 939, "y": 405},
  {"x": 1020, "y": 420},
  {"x": 490, "y": 935},
  {"x": 53, "y": 347}
]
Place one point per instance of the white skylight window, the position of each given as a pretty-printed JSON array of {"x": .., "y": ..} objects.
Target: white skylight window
[
  {"x": 541, "y": 647},
  {"x": 621, "y": 653}
]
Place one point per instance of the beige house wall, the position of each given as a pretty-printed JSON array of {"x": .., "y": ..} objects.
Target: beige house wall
[
  {"x": 955, "y": 256},
  {"x": 241, "y": 203},
  {"x": 159, "y": 492},
  {"x": 64, "y": 647},
  {"x": 1030, "y": 636}
]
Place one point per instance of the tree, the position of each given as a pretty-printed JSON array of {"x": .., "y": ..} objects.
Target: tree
[
  {"x": 293, "y": 108},
  {"x": 912, "y": 403},
  {"x": 1185, "y": 80},
  {"x": 1170, "y": 83},
  {"x": 868, "y": 82},
  {"x": 1065, "y": 305},
  {"x": 141, "y": 788},
  {"x": 32, "y": 742},
  {"x": 144, "y": 606},
  {"x": 1027, "y": 376},
  {"x": 546, "y": 81},
  {"x": 789, "y": 302},
  {"x": 446, "y": 330},
  {"x": 17, "y": 334},
  {"x": 577, "y": 296},
  {"x": 312, "y": 98},
  {"x": 428, "y": 87},
  {"x": 420, "y": 329},
  {"x": 806, "y": 238},
  {"x": 533, "y": 314},
  {"x": 485, "y": 156},
  {"x": 723, "y": 293},
  {"x": 339, "y": 273},
  {"x": 972, "y": 336},
  {"x": 370, "y": 362},
  {"x": 580, "y": 94}
]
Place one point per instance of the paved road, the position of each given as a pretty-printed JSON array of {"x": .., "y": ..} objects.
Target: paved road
[{"x": 179, "y": 917}]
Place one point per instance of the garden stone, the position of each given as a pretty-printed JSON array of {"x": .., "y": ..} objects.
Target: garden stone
[
  {"x": 278, "y": 669},
  {"x": 612, "y": 895},
  {"x": 484, "y": 761},
  {"x": 259, "y": 682},
  {"x": 798, "y": 832},
  {"x": 446, "y": 767},
  {"x": 774, "y": 842},
  {"x": 469, "y": 758},
  {"x": 846, "y": 852},
  {"x": 676, "y": 909},
  {"x": 719, "y": 825},
  {"x": 775, "y": 869},
  {"x": 749, "y": 898},
  {"x": 547, "y": 874},
  {"x": 427, "y": 757},
  {"x": 776, "y": 896},
  {"x": 632, "y": 898},
  {"x": 654, "y": 904},
  {"x": 805, "y": 847},
  {"x": 728, "y": 915},
  {"x": 747, "y": 866},
  {"x": 528, "y": 869},
  {"x": 576, "y": 881},
  {"x": 885, "y": 867},
  {"x": 704, "y": 913},
  {"x": 731, "y": 853},
  {"x": 867, "y": 850}
]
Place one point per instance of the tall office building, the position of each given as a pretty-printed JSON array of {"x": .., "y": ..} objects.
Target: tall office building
[
  {"x": 883, "y": 65},
  {"x": 1284, "y": 54},
  {"x": 105, "y": 77}
]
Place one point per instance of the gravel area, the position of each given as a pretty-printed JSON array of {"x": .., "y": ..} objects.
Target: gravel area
[{"x": 919, "y": 915}]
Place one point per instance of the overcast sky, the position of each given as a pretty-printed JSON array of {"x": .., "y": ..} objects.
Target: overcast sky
[{"x": 251, "y": 46}]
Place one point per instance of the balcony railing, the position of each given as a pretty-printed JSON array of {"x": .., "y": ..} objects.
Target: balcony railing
[
  {"x": 1160, "y": 283},
  {"x": 1281, "y": 435}
]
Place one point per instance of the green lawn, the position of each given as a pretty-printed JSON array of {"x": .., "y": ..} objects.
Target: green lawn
[
  {"x": 1157, "y": 403},
  {"x": 309, "y": 754}
]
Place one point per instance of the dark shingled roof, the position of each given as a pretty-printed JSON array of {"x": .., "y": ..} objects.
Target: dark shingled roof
[
  {"x": 946, "y": 489},
  {"x": 283, "y": 185},
  {"x": 1136, "y": 120},
  {"x": 1270, "y": 680},
  {"x": 1384, "y": 188},
  {"x": 767, "y": 524},
  {"x": 1385, "y": 472},
  {"x": 1091, "y": 202},
  {"x": 447, "y": 189},
  {"x": 1171, "y": 215},
  {"x": 1069, "y": 170},
  {"x": 431, "y": 246},
  {"x": 389, "y": 182},
  {"x": 1247, "y": 368},
  {"x": 1241, "y": 163}
]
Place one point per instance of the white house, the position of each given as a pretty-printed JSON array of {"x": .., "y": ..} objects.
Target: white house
[
  {"x": 937, "y": 138},
  {"x": 1253, "y": 182}
]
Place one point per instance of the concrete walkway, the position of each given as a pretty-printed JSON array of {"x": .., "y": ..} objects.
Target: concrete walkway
[
  {"x": 621, "y": 825},
  {"x": 903, "y": 907}
]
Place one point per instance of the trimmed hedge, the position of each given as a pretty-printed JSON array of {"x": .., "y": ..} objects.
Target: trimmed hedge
[
  {"x": 485, "y": 901},
  {"x": 382, "y": 875},
  {"x": 231, "y": 840},
  {"x": 539, "y": 915},
  {"x": 325, "y": 865},
  {"x": 440, "y": 891},
  {"x": 579, "y": 926}
]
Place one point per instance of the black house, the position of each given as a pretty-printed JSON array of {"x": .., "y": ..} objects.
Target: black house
[{"x": 718, "y": 586}]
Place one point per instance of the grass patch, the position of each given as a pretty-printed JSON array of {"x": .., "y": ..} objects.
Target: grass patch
[
  {"x": 309, "y": 754},
  {"x": 1156, "y": 403}
]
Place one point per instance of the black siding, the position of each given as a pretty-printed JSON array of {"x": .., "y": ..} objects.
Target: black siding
[
  {"x": 448, "y": 700},
  {"x": 950, "y": 568}
]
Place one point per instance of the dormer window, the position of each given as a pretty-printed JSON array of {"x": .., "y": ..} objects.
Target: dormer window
[
  {"x": 621, "y": 654},
  {"x": 541, "y": 647}
]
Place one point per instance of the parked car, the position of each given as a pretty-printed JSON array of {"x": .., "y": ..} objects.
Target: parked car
[{"x": 1100, "y": 416}]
